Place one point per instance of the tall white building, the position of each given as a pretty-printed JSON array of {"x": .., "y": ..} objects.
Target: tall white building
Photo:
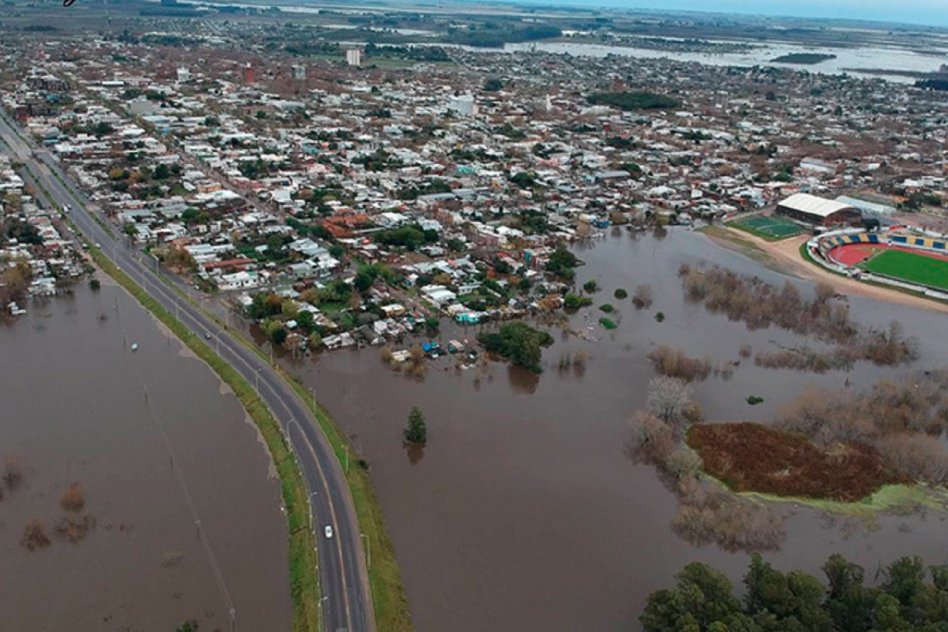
[
  {"x": 463, "y": 105},
  {"x": 354, "y": 56},
  {"x": 184, "y": 75},
  {"x": 299, "y": 72}
]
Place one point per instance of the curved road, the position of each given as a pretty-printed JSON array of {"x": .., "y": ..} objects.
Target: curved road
[{"x": 345, "y": 602}]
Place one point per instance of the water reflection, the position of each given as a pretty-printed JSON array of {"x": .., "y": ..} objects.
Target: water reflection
[{"x": 414, "y": 452}]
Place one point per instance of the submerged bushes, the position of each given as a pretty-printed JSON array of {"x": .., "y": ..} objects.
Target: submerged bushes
[
  {"x": 674, "y": 363},
  {"x": 759, "y": 305},
  {"x": 903, "y": 420}
]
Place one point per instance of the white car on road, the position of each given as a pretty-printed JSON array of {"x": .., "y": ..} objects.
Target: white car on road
[{"x": 328, "y": 531}]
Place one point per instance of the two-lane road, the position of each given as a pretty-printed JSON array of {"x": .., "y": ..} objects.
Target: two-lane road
[{"x": 345, "y": 602}]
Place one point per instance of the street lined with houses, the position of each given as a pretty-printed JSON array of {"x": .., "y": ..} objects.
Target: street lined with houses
[{"x": 345, "y": 603}]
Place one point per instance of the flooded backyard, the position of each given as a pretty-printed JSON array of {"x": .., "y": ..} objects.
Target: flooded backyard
[
  {"x": 524, "y": 511},
  {"x": 157, "y": 470}
]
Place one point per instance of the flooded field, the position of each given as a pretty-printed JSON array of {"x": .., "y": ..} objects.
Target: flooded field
[
  {"x": 524, "y": 512},
  {"x": 844, "y": 60},
  {"x": 155, "y": 471}
]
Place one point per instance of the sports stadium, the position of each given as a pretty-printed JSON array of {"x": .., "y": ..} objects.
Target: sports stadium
[{"x": 899, "y": 256}]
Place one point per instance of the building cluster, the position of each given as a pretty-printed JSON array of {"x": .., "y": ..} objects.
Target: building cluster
[
  {"x": 343, "y": 203},
  {"x": 38, "y": 257}
]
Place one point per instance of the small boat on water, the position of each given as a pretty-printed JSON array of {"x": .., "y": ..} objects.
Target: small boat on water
[{"x": 134, "y": 346}]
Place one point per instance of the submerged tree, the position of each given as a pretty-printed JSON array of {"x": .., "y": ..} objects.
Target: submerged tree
[{"x": 416, "y": 432}]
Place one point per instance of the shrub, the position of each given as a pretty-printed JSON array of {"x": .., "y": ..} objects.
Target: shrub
[
  {"x": 642, "y": 297},
  {"x": 607, "y": 323},
  {"x": 674, "y": 363},
  {"x": 574, "y": 301},
  {"x": 12, "y": 474},
  {"x": 73, "y": 499},
  {"x": 607, "y": 308},
  {"x": 709, "y": 515},
  {"x": 34, "y": 536},
  {"x": 620, "y": 294},
  {"x": 753, "y": 400},
  {"x": 591, "y": 286}
]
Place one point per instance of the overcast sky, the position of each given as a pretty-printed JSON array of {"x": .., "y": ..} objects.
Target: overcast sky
[{"x": 928, "y": 12}]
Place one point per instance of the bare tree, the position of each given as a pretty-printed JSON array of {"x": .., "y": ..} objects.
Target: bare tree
[
  {"x": 668, "y": 398},
  {"x": 642, "y": 297}
]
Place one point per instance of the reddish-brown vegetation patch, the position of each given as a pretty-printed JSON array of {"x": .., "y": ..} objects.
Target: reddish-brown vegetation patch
[{"x": 752, "y": 457}]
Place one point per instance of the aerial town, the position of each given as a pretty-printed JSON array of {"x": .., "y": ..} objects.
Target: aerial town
[
  {"x": 341, "y": 203},
  {"x": 277, "y": 186}
]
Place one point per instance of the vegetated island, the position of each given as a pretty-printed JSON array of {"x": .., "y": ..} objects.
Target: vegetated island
[
  {"x": 630, "y": 101},
  {"x": 805, "y": 59},
  {"x": 838, "y": 451},
  {"x": 751, "y": 457},
  {"x": 836, "y": 446}
]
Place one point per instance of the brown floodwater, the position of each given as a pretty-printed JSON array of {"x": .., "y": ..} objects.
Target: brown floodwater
[
  {"x": 524, "y": 513},
  {"x": 74, "y": 411}
]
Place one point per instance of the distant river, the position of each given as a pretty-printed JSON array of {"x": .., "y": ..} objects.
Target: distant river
[{"x": 846, "y": 58}]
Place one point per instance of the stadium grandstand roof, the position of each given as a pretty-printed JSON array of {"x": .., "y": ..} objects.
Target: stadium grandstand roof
[{"x": 813, "y": 205}]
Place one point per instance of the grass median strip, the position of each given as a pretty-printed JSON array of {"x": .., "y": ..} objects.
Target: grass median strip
[
  {"x": 304, "y": 581},
  {"x": 385, "y": 582}
]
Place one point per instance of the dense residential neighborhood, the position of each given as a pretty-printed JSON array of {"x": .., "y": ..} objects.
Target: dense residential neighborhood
[
  {"x": 371, "y": 200},
  {"x": 406, "y": 315}
]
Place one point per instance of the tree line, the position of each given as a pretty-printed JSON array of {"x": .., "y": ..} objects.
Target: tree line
[{"x": 908, "y": 598}]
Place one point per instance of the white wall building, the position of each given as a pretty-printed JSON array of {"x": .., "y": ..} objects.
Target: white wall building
[
  {"x": 354, "y": 56},
  {"x": 463, "y": 105}
]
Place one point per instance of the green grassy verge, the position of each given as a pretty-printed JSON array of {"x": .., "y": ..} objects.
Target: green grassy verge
[
  {"x": 910, "y": 267},
  {"x": 892, "y": 498},
  {"x": 304, "y": 581},
  {"x": 385, "y": 580}
]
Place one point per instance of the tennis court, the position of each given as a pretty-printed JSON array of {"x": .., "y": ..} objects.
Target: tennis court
[{"x": 768, "y": 227}]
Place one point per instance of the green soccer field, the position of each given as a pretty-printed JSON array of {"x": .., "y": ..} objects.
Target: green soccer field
[
  {"x": 770, "y": 228},
  {"x": 910, "y": 267}
]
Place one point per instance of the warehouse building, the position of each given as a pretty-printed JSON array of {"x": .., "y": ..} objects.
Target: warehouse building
[{"x": 819, "y": 211}]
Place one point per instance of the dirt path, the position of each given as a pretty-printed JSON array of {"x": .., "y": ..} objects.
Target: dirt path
[{"x": 786, "y": 254}]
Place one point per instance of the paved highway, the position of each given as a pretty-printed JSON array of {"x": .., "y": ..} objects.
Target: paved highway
[{"x": 345, "y": 603}]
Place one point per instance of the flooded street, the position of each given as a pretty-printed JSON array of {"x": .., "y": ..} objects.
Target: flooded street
[
  {"x": 153, "y": 468},
  {"x": 524, "y": 513}
]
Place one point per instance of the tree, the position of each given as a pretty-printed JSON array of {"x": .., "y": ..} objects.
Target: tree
[
  {"x": 850, "y": 604},
  {"x": 518, "y": 342},
  {"x": 701, "y": 598},
  {"x": 416, "y": 431},
  {"x": 905, "y": 580},
  {"x": 562, "y": 263},
  {"x": 668, "y": 398}
]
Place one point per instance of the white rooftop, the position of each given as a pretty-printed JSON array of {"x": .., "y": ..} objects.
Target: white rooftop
[{"x": 813, "y": 205}]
